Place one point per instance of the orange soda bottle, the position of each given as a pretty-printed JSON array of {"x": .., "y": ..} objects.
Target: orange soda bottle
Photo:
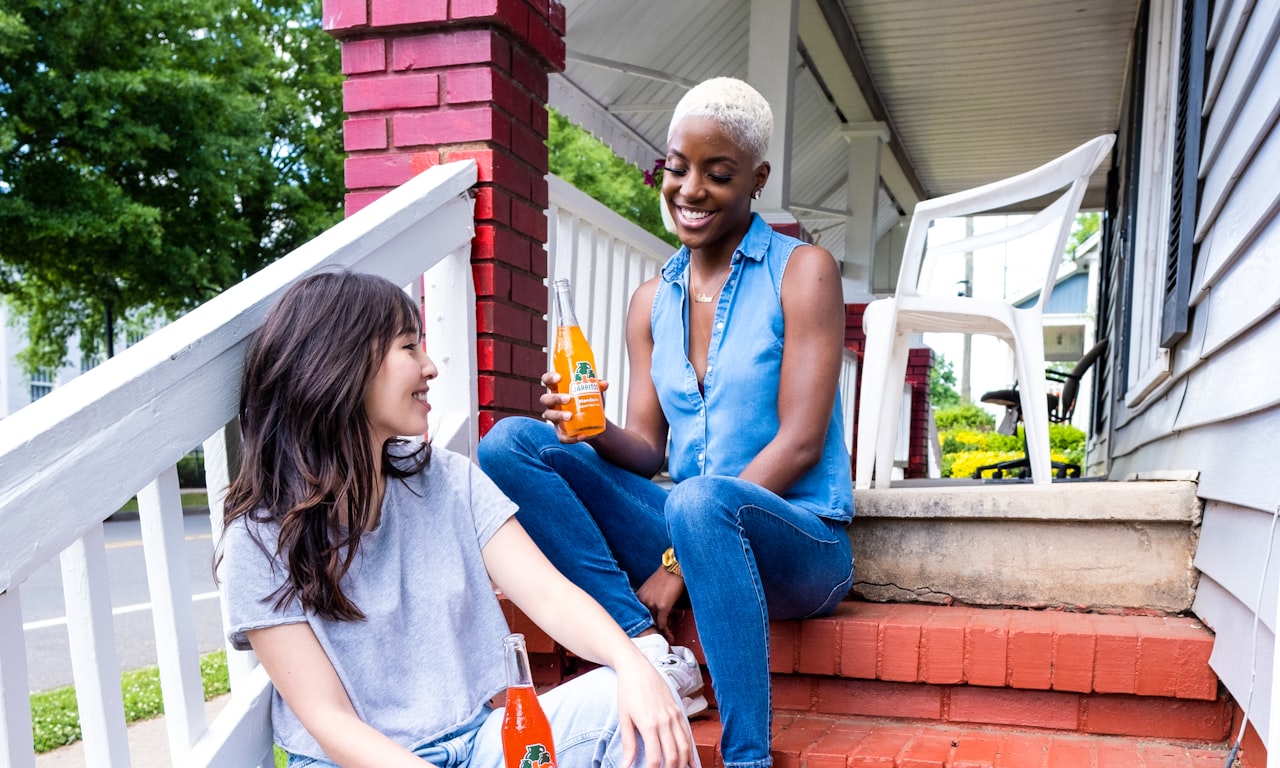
[
  {"x": 526, "y": 734},
  {"x": 572, "y": 359}
]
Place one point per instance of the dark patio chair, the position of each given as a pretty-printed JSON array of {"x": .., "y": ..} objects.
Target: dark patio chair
[{"x": 1061, "y": 408}]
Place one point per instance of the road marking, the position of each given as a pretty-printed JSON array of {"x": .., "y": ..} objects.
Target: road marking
[
  {"x": 62, "y": 620},
  {"x": 138, "y": 542}
]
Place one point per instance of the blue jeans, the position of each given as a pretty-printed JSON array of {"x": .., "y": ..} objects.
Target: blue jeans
[
  {"x": 606, "y": 528},
  {"x": 584, "y": 724}
]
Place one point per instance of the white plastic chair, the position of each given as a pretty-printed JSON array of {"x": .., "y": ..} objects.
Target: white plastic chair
[{"x": 889, "y": 323}]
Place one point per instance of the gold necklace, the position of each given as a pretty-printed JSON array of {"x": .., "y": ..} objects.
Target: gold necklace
[{"x": 703, "y": 298}]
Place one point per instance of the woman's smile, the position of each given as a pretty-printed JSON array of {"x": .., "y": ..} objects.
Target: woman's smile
[{"x": 694, "y": 218}]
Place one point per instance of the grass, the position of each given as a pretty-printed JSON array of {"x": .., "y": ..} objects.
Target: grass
[
  {"x": 189, "y": 499},
  {"x": 55, "y": 716}
]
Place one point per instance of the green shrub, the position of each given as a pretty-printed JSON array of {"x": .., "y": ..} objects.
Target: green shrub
[
  {"x": 967, "y": 445},
  {"x": 1064, "y": 437},
  {"x": 963, "y": 417},
  {"x": 191, "y": 470},
  {"x": 964, "y": 464},
  {"x": 970, "y": 440}
]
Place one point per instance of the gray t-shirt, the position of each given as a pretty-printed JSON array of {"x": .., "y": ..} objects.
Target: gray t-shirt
[{"x": 428, "y": 655}]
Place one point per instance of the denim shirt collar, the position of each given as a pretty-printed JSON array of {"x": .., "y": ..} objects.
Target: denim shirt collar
[{"x": 754, "y": 245}]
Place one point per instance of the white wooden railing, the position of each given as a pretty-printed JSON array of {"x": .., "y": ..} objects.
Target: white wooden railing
[
  {"x": 606, "y": 258},
  {"x": 72, "y": 458}
]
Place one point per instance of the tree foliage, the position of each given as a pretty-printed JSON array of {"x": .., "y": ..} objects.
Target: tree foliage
[
  {"x": 1084, "y": 227},
  {"x": 587, "y": 163},
  {"x": 153, "y": 154},
  {"x": 942, "y": 383}
]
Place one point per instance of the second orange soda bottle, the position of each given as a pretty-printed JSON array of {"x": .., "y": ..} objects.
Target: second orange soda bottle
[
  {"x": 572, "y": 359},
  {"x": 526, "y": 734}
]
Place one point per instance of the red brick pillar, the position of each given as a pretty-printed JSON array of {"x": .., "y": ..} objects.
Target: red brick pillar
[
  {"x": 919, "y": 363},
  {"x": 433, "y": 81}
]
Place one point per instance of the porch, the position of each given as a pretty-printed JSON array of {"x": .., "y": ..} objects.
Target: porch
[
  {"x": 931, "y": 547},
  {"x": 1079, "y": 626}
]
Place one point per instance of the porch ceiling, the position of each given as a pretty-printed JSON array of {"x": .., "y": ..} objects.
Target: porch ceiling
[{"x": 971, "y": 91}]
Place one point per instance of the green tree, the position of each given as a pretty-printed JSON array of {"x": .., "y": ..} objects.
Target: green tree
[
  {"x": 1086, "y": 224},
  {"x": 942, "y": 383},
  {"x": 153, "y": 154},
  {"x": 587, "y": 163}
]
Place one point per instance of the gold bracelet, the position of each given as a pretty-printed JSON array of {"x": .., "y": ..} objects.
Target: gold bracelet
[{"x": 670, "y": 563}]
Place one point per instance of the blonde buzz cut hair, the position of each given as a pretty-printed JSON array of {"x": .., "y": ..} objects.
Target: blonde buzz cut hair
[{"x": 737, "y": 107}]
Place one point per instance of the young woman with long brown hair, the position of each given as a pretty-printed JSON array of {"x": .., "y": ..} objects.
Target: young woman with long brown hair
[{"x": 358, "y": 564}]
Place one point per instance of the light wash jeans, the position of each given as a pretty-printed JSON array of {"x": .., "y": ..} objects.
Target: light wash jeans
[
  {"x": 747, "y": 554},
  {"x": 584, "y": 722}
]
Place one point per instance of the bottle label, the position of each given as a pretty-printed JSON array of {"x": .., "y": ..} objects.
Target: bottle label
[
  {"x": 584, "y": 380},
  {"x": 536, "y": 756}
]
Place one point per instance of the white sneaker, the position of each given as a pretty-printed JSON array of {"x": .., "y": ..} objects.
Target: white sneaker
[{"x": 679, "y": 667}]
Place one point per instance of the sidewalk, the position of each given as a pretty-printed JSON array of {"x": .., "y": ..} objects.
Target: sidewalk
[{"x": 148, "y": 743}]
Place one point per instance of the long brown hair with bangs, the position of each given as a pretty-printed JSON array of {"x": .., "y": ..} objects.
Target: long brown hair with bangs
[{"x": 306, "y": 461}]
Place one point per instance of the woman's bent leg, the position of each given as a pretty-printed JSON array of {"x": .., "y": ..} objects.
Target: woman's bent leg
[
  {"x": 749, "y": 556},
  {"x": 601, "y": 525}
]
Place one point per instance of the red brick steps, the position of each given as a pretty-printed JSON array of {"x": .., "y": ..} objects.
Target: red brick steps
[
  {"x": 813, "y": 741},
  {"x": 926, "y": 686},
  {"x": 1005, "y": 648}
]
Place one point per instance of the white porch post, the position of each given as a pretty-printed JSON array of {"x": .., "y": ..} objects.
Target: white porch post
[
  {"x": 771, "y": 68},
  {"x": 861, "y": 232}
]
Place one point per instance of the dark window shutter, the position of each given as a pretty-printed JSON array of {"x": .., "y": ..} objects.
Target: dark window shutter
[
  {"x": 1186, "y": 166},
  {"x": 1118, "y": 226}
]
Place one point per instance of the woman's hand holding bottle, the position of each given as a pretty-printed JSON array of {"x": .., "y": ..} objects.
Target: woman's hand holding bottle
[{"x": 556, "y": 413}]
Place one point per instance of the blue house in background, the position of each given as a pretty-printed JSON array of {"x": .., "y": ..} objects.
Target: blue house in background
[{"x": 1070, "y": 323}]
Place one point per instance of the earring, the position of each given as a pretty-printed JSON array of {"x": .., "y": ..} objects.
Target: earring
[{"x": 755, "y": 195}]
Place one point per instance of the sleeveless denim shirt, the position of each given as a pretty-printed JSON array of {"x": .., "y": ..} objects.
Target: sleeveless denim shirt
[{"x": 720, "y": 430}]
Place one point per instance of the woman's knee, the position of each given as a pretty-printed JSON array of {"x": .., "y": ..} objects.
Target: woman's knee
[
  {"x": 700, "y": 500},
  {"x": 516, "y": 435}
]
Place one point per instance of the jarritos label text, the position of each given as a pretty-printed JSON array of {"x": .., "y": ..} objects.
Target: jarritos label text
[
  {"x": 583, "y": 388},
  {"x": 536, "y": 756}
]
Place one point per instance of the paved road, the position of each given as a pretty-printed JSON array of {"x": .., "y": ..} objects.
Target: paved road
[{"x": 44, "y": 617}]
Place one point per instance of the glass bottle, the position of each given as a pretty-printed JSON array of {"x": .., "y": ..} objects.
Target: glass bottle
[
  {"x": 572, "y": 359},
  {"x": 526, "y": 734}
]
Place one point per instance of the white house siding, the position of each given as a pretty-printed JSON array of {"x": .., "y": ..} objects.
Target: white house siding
[
  {"x": 1218, "y": 412},
  {"x": 14, "y": 389},
  {"x": 15, "y": 384}
]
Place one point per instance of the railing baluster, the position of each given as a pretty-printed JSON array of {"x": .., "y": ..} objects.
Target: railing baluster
[
  {"x": 588, "y": 261},
  {"x": 221, "y": 459},
  {"x": 449, "y": 298},
  {"x": 160, "y": 512},
  {"x": 242, "y": 733},
  {"x": 617, "y": 298},
  {"x": 848, "y": 394},
  {"x": 16, "y": 744},
  {"x": 606, "y": 284},
  {"x": 221, "y": 455},
  {"x": 94, "y": 662}
]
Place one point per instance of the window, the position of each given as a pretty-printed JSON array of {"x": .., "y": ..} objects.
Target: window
[
  {"x": 1166, "y": 198},
  {"x": 41, "y": 384}
]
